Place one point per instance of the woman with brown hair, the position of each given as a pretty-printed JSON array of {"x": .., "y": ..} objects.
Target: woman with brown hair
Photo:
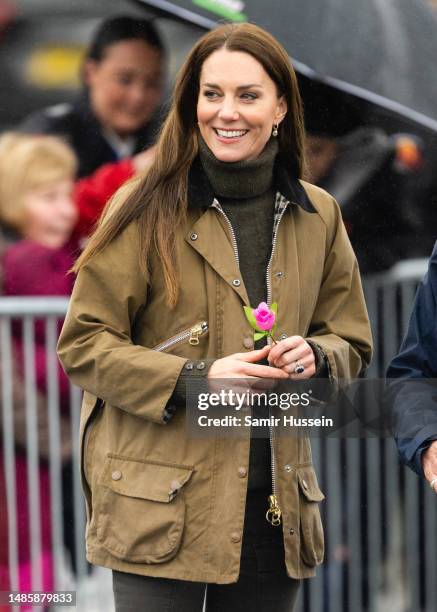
[
  {"x": 220, "y": 221},
  {"x": 116, "y": 114}
]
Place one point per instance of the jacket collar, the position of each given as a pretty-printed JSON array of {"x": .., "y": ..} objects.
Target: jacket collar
[{"x": 200, "y": 193}]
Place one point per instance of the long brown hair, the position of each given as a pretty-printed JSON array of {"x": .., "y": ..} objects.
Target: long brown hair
[{"x": 159, "y": 199}]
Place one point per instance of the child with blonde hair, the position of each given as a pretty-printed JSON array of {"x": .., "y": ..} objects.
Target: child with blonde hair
[{"x": 36, "y": 203}]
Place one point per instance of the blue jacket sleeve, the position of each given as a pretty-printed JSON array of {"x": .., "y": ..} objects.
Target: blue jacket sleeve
[{"x": 411, "y": 388}]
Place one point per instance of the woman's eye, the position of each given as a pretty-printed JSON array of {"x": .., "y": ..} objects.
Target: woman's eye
[
  {"x": 210, "y": 94},
  {"x": 249, "y": 96},
  {"x": 124, "y": 79}
]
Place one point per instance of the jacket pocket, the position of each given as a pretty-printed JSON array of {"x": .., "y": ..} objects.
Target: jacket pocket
[
  {"x": 142, "y": 513},
  {"x": 311, "y": 530},
  {"x": 190, "y": 335}
]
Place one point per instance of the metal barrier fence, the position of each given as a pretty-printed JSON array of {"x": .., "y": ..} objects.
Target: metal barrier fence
[
  {"x": 92, "y": 594},
  {"x": 380, "y": 519}
]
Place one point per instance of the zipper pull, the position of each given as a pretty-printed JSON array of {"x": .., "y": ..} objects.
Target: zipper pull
[
  {"x": 273, "y": 514},
  {"x": 196, "y": 331}
]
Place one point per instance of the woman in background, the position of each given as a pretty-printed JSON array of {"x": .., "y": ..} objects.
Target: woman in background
[{"x": 116, "y": 114}]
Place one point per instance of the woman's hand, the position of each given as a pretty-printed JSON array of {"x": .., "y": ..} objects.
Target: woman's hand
[
  {"x": 429, "y": 463},
  {"x": 286, "y": 353},
  {"x": 243, "y": 365}
]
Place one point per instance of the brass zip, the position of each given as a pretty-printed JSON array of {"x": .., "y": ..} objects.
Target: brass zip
[{"x": 192, "y": 334}]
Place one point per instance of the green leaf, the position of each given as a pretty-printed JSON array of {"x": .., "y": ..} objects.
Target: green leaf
[
  {"x": 250, "y": 317},
  {"x": 259, "y": 335}
]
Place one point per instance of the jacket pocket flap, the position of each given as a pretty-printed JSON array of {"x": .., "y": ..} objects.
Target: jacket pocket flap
[
  {"x": 308, "y": 484},
  {"x": 150, "y": 480}
]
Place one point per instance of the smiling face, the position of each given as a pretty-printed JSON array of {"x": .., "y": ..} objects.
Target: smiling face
[
  {"x": 237, "y": 106},
  {"x": 125, "y": 86}
]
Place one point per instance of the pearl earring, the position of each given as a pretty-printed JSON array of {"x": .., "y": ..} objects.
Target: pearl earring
[{"x": 275, "y": 130}]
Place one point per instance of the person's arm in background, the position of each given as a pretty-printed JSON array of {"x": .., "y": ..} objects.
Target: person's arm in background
[
  {"x": 92, "y": 192},
  {"x": 411, "y": 397}
]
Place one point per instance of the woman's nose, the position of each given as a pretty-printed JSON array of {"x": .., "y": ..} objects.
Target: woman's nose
[{"x": 228, "y": 110}]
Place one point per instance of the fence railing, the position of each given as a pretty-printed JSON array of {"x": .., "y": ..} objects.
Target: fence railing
[
  {"x": 380, "y": 519},
  {"x": 56, "y": 475}
]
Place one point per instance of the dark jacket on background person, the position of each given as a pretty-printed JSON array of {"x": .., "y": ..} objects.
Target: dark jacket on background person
[
  {"x": 411, "y": 399},
  {"x": 77, "y": 124},
  {"x": 159, "y": 503}
]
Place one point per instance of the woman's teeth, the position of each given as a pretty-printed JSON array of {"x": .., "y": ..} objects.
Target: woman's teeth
[{"x": 231, "y": 133}]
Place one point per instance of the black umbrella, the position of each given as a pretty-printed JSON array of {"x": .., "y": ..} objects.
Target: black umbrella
[{"x": 382, "y": 51}]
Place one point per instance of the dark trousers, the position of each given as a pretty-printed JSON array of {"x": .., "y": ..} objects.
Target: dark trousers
[{"x": 263, "y": 584}]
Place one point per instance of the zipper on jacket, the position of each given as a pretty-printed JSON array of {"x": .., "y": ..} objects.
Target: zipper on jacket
[
  {"x": 217, "y": 206},
  {"x": 191, "y": 334},
  {"x": 274, "y": 513}
]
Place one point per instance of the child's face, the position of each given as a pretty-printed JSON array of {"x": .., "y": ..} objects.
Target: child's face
[{"x": 50, "y": 213}]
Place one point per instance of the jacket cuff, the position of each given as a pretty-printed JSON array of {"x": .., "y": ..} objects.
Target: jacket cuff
[
  {"x": 411, "y": 449},
  {"x": 322, "y": 364},
  {"x": 192, "y": 369}
]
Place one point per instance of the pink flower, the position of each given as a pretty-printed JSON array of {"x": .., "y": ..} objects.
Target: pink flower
[{"x": 265, "y": 318}]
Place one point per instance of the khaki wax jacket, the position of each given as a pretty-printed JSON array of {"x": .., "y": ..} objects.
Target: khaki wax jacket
[{"x": 159, "y": 503}]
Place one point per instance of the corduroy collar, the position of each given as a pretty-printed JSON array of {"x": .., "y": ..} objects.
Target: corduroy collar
[{"x": 200, "y": 193}]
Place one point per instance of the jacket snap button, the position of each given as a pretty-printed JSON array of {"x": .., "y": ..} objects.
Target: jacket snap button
[
  {"x": 235, "y": 537},
  {"x": 287, "y": 468},
  {"x": 193, "y": 236},
  {"x": 283, "y": 336},
  {"x": 279, "y": 274},
  {"x": 248, "y": 342},
  {"x": 116, "y": 475},
  {"x": 175, "y": 485},
  {"x": 291, "y": 532},
  {"x": 189, "y": 366},
  {"x": 304, "y": 484},
  {"x": 236, "y": 282},
  {"x": 201, "y": 365},
  {"x": 242, "y": 471}
]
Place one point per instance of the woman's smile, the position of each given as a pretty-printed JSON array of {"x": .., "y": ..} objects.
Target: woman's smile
[{"x": 228, "y": 135}]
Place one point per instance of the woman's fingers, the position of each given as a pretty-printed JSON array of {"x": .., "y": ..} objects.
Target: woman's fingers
[
  {"x": 290, "y": 353},
  {"x": 289, "y": 350},
  {"x": 303, "y": 351},
  {"x": 262, "y": 371},
  {"x": 253, "y": 356},
  {"x": 284, "y": 346},
  {"x": 240, "y": 365},
  {"x": 309, "y": 365}
]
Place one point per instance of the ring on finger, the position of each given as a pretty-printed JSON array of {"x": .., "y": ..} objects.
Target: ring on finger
[
  {"x": 433, "y": 483},
  {"x": 299, "y": 368}
]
